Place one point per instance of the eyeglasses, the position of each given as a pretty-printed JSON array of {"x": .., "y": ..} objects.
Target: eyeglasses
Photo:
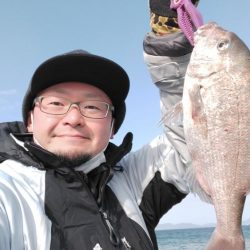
[{"x": 59, "y": 106}]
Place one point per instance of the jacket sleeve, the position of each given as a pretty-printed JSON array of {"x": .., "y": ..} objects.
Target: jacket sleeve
[
  {"x": 4, "y": 230},
  {"x": 10, "y": 235},
  {"x": 167, "y": 58},
  {"x": 157, "y": 172},
  {"x": 22, "y": 216}
]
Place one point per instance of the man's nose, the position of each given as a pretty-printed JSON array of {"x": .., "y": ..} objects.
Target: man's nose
[{"x": 74, "y": 116}]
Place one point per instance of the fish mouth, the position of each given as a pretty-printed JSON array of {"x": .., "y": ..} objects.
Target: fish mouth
[
  {"x": 199, "y": 57},
  {"x": 200, "y": 75},
  {"x": 201, "y": 60}
]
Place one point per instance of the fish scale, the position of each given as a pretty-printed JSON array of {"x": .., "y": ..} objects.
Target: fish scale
[{"x": 216, "y": 120}]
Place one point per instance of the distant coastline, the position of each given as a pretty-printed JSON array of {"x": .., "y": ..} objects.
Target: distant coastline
[{"x": 170, "y": 226}]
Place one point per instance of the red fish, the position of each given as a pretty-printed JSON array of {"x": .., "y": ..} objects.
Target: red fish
[{"x": 216, "y": 119}]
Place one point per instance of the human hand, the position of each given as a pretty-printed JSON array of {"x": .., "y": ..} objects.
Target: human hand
[{"x": 163, "y": 20}]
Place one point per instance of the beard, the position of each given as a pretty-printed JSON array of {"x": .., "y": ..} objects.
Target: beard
[{"x": 73, "y": 160}]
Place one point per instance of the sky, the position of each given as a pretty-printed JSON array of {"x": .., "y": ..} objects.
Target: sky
[{"x": 33, "y": 31}]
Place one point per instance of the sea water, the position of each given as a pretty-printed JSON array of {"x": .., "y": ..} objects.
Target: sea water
[{"x": 190, "y": 239}]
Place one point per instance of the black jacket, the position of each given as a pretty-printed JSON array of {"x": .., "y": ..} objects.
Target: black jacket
[{"x": 84, "y": 210}]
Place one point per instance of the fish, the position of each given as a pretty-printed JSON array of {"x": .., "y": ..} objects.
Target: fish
[{"x": 216, "y": 122}]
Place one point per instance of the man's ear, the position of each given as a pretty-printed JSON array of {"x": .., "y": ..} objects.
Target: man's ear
[{"x": 30, "y": 121}]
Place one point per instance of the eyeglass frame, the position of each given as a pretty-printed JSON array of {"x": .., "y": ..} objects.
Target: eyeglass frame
[{"x": 39, "y": 99}]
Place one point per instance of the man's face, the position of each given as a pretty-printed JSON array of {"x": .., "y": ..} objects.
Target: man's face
[{"x": 71, "y": 135}]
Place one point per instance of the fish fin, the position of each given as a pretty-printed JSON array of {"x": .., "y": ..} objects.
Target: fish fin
[
  {"x": 197, "y": 109},
  {"x": 220, "y": 242},
  {"x": 195, "y": 186},
  {"x": 198, "y": 112},
  {"x": 174, "y": 116}
]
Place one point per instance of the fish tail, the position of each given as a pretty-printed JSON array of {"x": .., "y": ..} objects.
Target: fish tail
[{"x": 220, "y": 242}]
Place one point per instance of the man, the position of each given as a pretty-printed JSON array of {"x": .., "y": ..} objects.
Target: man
[{"x": 62, "y": 184}]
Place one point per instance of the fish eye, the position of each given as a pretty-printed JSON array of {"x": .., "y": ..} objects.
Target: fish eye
[{"x": 223, "y": 44}]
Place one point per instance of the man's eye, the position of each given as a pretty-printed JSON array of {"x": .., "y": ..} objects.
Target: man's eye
[
  {"x": 55, "y": 104},
  {"x": 91, "y": 107}
]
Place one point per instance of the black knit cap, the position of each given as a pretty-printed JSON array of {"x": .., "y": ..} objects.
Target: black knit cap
[{"x": 81, "y": 66}]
